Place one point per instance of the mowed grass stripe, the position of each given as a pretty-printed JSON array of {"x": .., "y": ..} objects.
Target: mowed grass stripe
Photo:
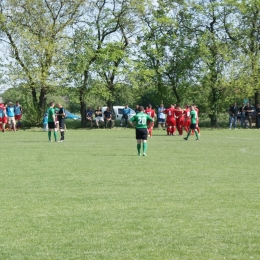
[{"x": 91, "y": 197}]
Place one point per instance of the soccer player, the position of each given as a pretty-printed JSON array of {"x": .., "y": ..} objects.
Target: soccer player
[
  {"x": 193, "y": 115},
  {"x": 61, "y": 118},
  {"x": 18, "y": 111},
  {"x": 170, "y": 120},
  {"x": 179, "y": 118},
  {"x": 186, "y": 119},
  {"x": 51, "y": 122},
  {"x": 140, "y": 121},
  {"x": 149, "y": 111},
  {"x": 197, "y": 122}
]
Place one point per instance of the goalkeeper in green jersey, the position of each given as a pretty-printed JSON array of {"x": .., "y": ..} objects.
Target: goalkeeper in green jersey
[{"x": 140, "y": 120}]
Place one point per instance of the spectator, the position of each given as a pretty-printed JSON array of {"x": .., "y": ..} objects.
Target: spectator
[
  {"x": 126, "y": 113},
  {"x": 18, "y": 112},
  {"x": 4, "y": 117},
  {"x": 98, "y": 116},
  {"x": 10, "y": 115},
  {"x": 108, "y": 117},
  {"x": 248, "y": 115},
  {"x": 137, "y": 109},
  {"x": 258, "y": 115},
  {"x": 45, "y": 121},
  {"x": 89, "y": 116},
  {"x": 233, "y": 115},
  {"x": 161, "y": 117},
  {"x": 242, "y": 114}
]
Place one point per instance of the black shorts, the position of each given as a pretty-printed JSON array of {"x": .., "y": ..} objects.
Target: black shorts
[
  {"x": 51, "y": 125},
  {"x": 193, "y": 126},
  {"x": 141, "y": 133},
  {"x": 61, "y": 123}
]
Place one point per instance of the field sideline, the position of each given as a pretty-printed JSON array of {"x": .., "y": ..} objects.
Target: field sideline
[{"x": 92, "y": 197}]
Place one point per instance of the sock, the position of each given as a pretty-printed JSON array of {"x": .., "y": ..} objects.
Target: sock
[
  {"x": 62, "y": 135},
  {"x": 188, "y": 135},
  {"x": 144, "y": 147},
  {"x": 197, "y": 135},
  {"x": 55, "y": 135},
  {"x": 49, "y": 135},
  {"x": 138, "y": 148}
]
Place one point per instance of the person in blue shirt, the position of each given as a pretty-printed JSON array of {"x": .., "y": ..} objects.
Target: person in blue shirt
[
  {"x": 10, "y": 114},
  {"x": 126, "y": 113},
  {"x": 108, "y": 117},
  {"x": 89, "y": 116},
  {"x": 45, "y": 121}
]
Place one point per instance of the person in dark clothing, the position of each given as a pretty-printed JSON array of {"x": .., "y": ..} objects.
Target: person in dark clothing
[
  {"x": 61, "y": 118},
  {"x": 248, "y": 114},
  {"x": 108, "y": 117},
  {"x": 233, "y": 115}
]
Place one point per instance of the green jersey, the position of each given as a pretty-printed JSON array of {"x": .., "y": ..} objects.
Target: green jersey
[
  {"x": 51, "y": 112},
  {"x": 141, "y": 119},
  {"x": 193, "y": 115}
]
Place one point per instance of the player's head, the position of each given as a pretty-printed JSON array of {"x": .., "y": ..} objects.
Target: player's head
[
  {"x": 150, "y": 106},
  {"x": 141, "y": 108},
  {"x": 17, "y": 102},
  {"x": 126, "y": 105},
  {"x": 192, "y": 107},
  {"x": 59, "y": 105},
  {"x": 107, "y": 108},
  {"x": 52, "y": 104}
]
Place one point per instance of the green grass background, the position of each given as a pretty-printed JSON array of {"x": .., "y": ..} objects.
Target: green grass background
[{"x": 91, "y": 197}]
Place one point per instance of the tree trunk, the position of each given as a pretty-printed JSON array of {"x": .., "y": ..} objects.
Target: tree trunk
[{"x": 256, "y": 102}]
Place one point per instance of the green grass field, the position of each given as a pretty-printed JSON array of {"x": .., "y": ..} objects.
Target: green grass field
[{"x": 91, "y": 197}]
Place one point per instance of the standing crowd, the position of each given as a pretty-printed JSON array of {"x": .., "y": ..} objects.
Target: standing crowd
[
  {"x": 10, "y": 116},
  {"x": 244, "y": 114}
]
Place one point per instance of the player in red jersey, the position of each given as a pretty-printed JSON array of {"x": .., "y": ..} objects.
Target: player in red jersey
[
  {"x": 170, "y": 120},
  {"x": 149, "y": 111},
  {"x": 186, "y": 118},
  {"x": 179, "y": 118}
]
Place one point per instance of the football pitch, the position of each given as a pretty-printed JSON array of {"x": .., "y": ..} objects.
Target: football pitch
[{"x": 92, "y": 197}]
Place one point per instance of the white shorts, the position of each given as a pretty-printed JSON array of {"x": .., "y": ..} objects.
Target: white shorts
[
  {"x": 99, "y": 118},
  {"x": 11, "y": 120}
]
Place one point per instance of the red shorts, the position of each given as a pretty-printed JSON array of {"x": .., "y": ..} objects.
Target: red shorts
[
  {"x": 4, "y": 120},
  {"x": 171, "y": 122},
  {"x": 0, "y": 119},
  {"x": 18, "y": 117}
]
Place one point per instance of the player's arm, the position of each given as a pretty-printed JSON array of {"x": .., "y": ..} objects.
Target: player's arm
[{"x": 131, "y": 121}]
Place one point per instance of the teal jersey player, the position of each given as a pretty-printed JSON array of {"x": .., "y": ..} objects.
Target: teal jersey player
[
  {"x": 51, "y": 112},
  {"x": 193, "y": 124},
  {"x": 193, "y": 115},
  {"x": 141, "y": 119}
]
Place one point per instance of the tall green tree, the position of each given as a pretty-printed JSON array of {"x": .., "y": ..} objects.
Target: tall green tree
[
  {"x": 36, "y": 33},
  {"x": 99, "y": 48},
  {"x": 166, "y": 50},
  {"x": 242, "y": 19}
]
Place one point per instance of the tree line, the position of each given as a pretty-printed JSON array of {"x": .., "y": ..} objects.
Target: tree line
[{"x": 128, "y": 51}]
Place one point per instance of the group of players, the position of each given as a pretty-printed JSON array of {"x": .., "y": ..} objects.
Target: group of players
[
  {"x": 10, "y": 116},
  {"x": 176, "y": 118}
]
